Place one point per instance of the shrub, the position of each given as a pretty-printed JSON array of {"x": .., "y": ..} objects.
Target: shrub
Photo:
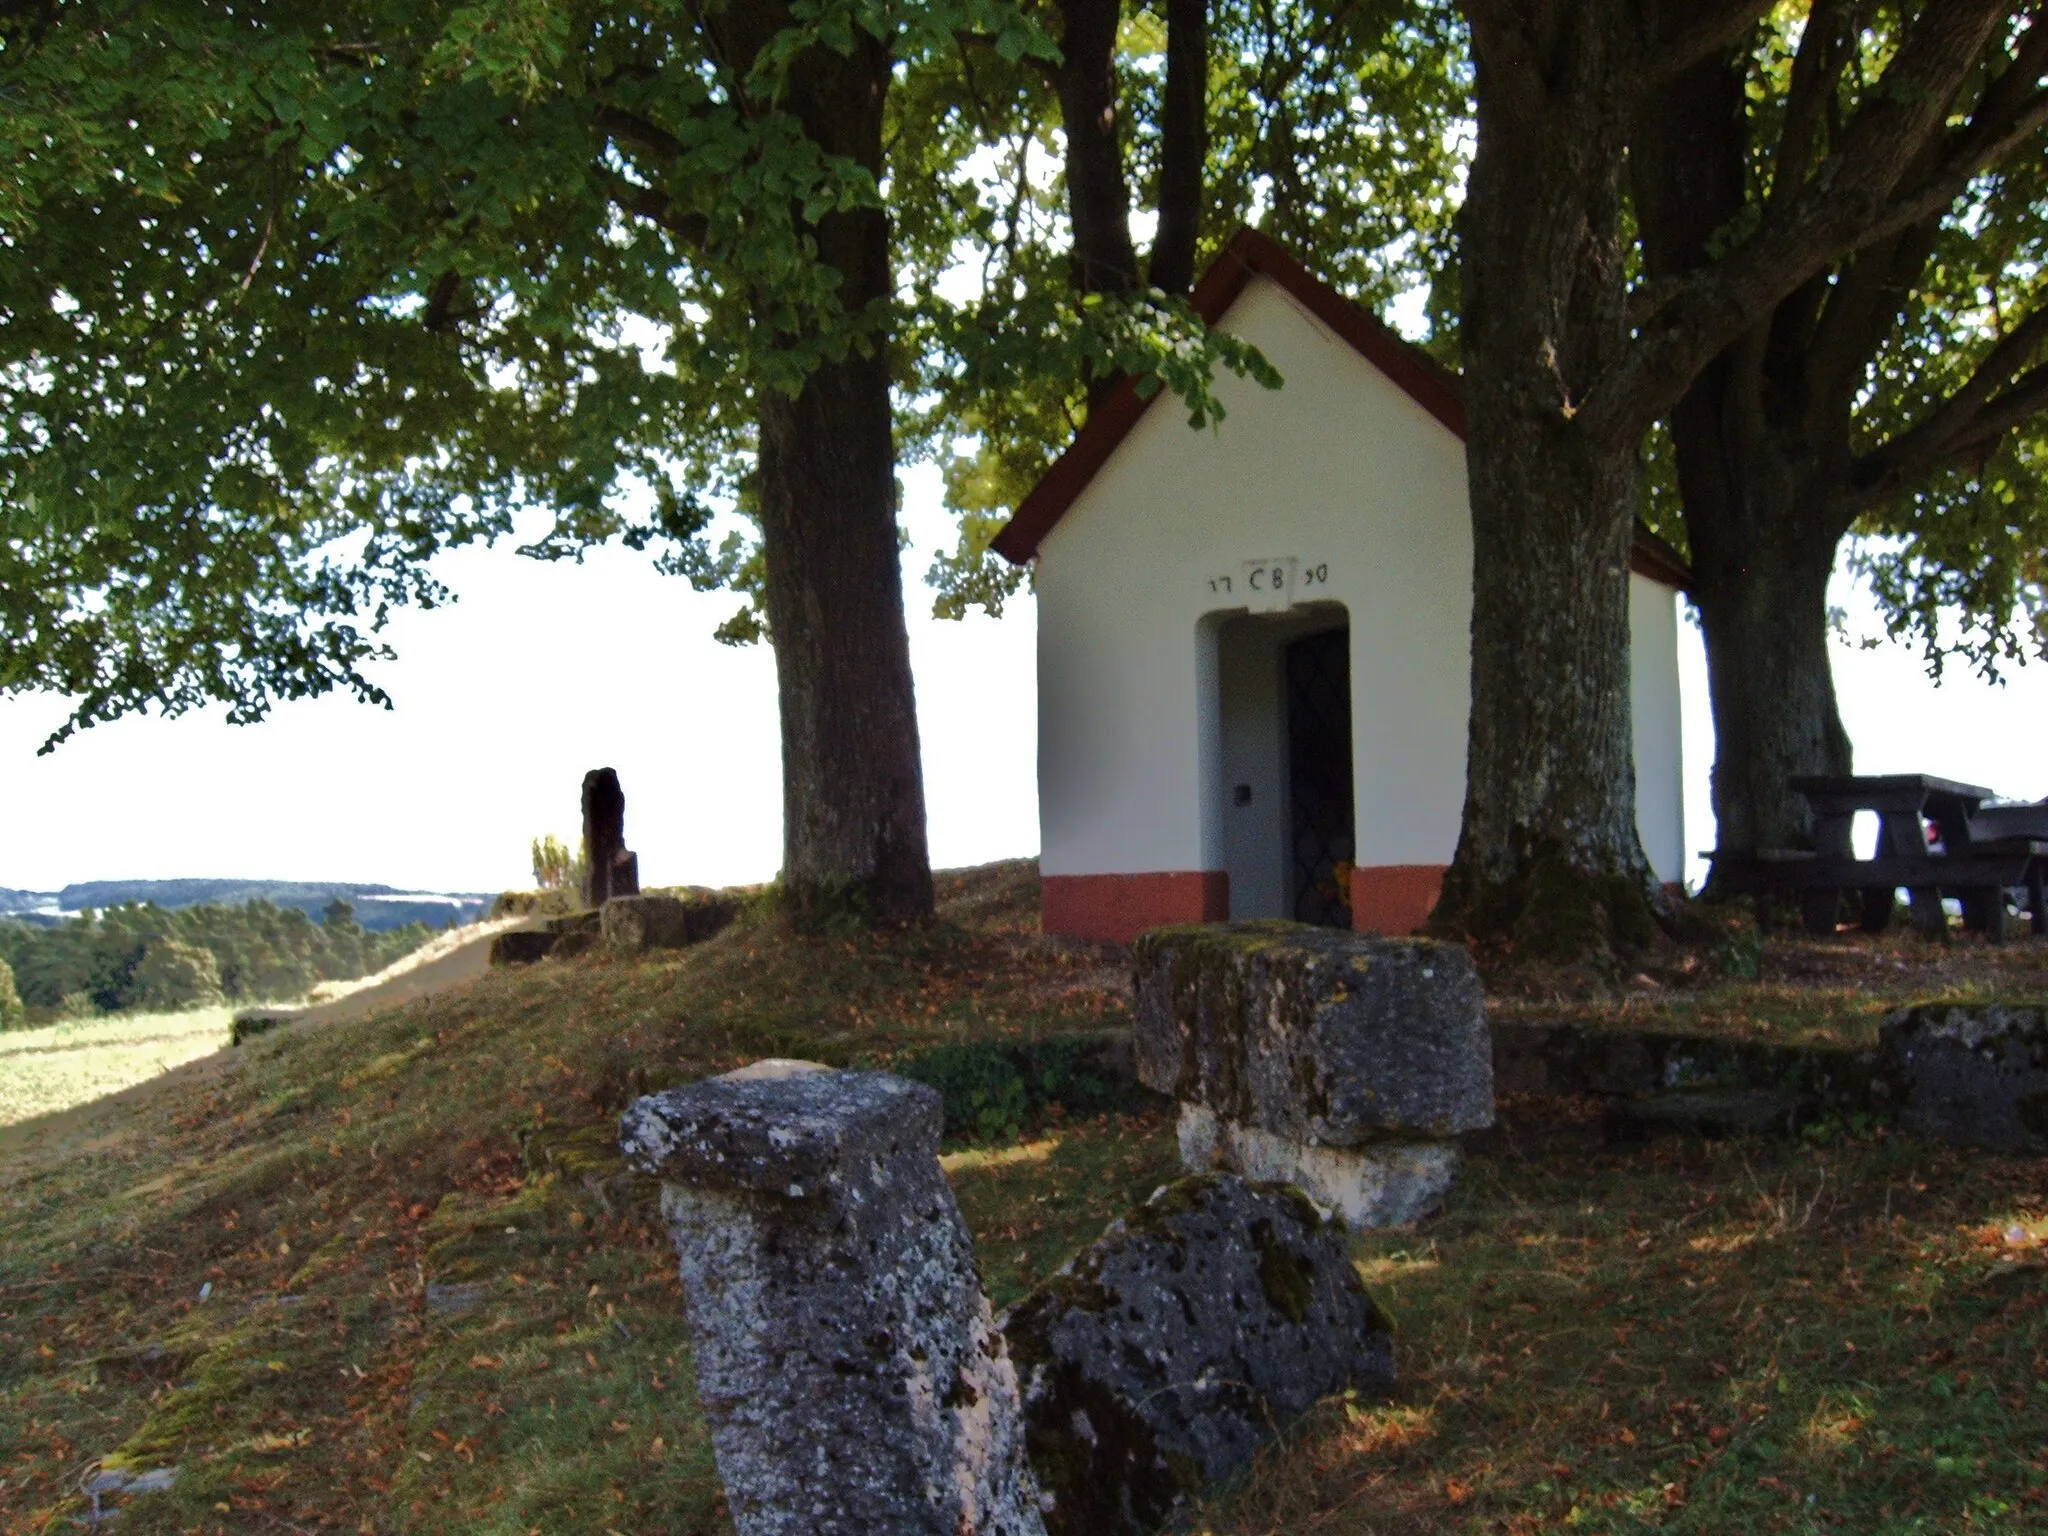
[
  {"x": 12, "y": 1014},
  {"x": 555, "y": 868},
  {"x": 994, "y": 1092},
  {"x": 173, "y": 975}
]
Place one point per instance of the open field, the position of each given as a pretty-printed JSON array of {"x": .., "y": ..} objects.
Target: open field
[
  {"x": 387, "y": 1275},
  {"x": 57, "y": 1066}
]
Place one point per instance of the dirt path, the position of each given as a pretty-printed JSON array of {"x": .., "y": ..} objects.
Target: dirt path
[{"x": 452, "y": 967}]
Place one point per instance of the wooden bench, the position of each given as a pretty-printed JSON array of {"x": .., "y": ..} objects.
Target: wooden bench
[{"x": 1982, "y": 852}]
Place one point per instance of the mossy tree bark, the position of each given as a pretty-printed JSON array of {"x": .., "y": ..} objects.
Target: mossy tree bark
[
  {"x": 852, "y": 784},
  {"x": 1755, "y": 468},
  {"x": 1098, "y": 194},
  {"x": 1773, "y": 465},
  {"x": 1548, "y": 851},
  {"x": 1566, "y": 369}
]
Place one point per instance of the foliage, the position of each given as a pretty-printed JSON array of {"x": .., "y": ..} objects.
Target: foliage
[
  {"x": 173, "y": 975},
  {"x": 997, "y": 1090},
  {"x": 555, "y": 868},
  {"x": 297, "y": 298},
  {"x": 11, "y": 1014},
  {"x": 1339, "y": 128},
  {"x": 1911, "y": 369},
  {"x": 1958, "y": 556},
  {"x": 146, "y": 957}
]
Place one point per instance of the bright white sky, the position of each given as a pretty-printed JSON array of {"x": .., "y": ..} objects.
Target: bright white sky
[{"x": 542, "y": 671}]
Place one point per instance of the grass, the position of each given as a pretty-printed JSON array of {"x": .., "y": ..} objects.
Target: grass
[
  {"x": 389, "y": 1276},
  {"x": 1808, "y": 991},
  {"x": 52, "y": 1068}
]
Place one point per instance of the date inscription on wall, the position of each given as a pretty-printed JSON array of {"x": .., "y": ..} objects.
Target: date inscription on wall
[{"x": 1270, "y": 586}]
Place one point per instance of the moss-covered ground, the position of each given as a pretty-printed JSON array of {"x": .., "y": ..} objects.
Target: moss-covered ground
[{"x": 387, "y": 1276}]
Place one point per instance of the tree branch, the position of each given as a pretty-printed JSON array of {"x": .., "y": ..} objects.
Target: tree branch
[
  {"x": 1183, "y": 133},
  {"x": 1849, "y": 203},
  {"x": 1708, "y": 31},
  {"x": 638, "y": 131},
  {"x": 1814, "y": 70},
  {"x": 1968, "y": 421},
  {"x": 653, "y": 205}
]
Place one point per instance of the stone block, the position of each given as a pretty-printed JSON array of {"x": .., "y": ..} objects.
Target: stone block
[
  {"x": 636, "y": 923},
  {"x": 1161, "y": 1359},
  {"x": 1381, "y": 1184},
  {"x": 522, "y": 946},
  {"x": 1712, "y": 1112},
  {"x": 251, "y": 1022},
  {"x": 1316, "y": 1035},
  {"x": 1971, "y": 1074},
  {"x": 847, "y": 1362}
]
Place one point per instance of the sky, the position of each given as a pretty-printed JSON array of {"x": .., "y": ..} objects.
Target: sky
[{"x": 542, "y": 671}]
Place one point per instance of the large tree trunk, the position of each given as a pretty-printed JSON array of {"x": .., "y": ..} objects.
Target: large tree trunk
[
  {"x": 1548, "y": 853},
  {"x": 1769, "y": 677},
  {"x": 1183, "y": 145},
  {"x": 852, "y": 788},
  {"x": 1759, "y": 440},
  {"x": 1098, "y": 196}
]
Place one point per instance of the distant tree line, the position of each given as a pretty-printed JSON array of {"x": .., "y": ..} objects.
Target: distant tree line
[{"x": 148, "y": 957}]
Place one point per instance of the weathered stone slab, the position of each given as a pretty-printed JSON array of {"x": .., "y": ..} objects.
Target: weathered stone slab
[
  {"x": 1974, "y": 1075},
  {"x": 1322, "y": 1037},
  {"x": 1381, "y": 1184},
  {"x": 1167, "y": 1354},
  {"x": 635, "y": 923},
  {"x": 846, "y": 1359}
]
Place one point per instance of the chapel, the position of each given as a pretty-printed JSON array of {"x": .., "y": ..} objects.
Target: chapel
[{"x": 1254, "y": 637}]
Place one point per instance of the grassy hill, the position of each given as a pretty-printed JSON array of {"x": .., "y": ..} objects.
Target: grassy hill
[{"x": 388, "y": 1275}]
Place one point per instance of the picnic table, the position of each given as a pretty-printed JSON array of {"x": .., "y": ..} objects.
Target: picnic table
[{"x": 1935, "y": 837}]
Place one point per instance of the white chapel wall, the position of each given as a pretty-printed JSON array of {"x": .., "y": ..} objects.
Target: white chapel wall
[
  {"x": 1340, "y": 470},
  {"x": 1654, "y": 706}
]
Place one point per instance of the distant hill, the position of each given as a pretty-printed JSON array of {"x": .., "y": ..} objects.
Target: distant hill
[{"x": 377, "y": 907}]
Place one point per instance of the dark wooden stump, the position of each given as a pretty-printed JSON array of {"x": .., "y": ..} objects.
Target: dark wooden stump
[{"x": 604, "y": 837}]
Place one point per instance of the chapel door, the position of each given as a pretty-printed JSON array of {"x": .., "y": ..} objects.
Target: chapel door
[{"x": 1322, "y": 845}]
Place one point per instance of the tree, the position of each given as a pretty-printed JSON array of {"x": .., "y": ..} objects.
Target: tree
[
  {"x": 1567, "y": 365},
  {"x": 554, "y": 866},
  {"x": 173, "y": 975},
  {"x": 11, "y": 1012},
  {"x": 1888, "y": 390},
  {"x": 298, "y": 299}
]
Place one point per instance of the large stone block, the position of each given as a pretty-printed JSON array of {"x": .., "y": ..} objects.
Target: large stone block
[
  {"x": 1162, "y": 1358},
  {"x": 1319, "y": 1036},
  {"x": 634, "y": 923},
  {"x": 1972, "y": 1074},
  {"x": 846, "y": 1358},
  {"x": 1340, "y": 1063},
  {"x": 1382, "y": 1184}
]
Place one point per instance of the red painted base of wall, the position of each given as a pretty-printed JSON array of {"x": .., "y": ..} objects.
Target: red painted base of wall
[
  {"x": 1118, "y": 908},
  {"x": 1394, "y": 898}
]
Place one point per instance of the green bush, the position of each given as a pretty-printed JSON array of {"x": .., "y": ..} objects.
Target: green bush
[
  {"x": 12, "y": 1014},
  {"x": 995, "y": 1092},
  {"x": 172, "y": 975}
]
